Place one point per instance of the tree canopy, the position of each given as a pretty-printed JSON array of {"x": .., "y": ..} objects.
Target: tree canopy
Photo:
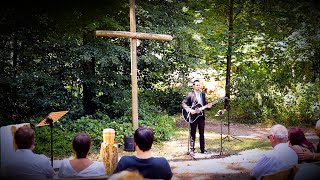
[{"x": 51, "y": 60}]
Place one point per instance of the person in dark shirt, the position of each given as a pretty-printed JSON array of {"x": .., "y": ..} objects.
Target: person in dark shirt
[{"x": 148, "y": 166}]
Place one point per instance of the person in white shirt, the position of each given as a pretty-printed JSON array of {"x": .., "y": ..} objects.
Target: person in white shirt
[
  {"x": 25, "y": 164},
  {"x": 280, "y": 157},
  {"x": 81, "y": 165}
]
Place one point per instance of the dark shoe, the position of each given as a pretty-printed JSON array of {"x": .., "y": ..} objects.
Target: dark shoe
[{"x": 204, "y": 151}]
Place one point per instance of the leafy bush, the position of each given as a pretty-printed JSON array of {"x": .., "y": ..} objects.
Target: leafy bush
[
  {"x": 163, "y": 125},
  {"x": 260, "y": 98},
  {"x": 65, "y": 130},
  {"x": 61, "y": 141},
  {"x": 169, "y": 98}
]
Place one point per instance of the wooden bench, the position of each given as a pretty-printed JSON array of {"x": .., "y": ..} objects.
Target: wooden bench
[{"x": 286, "y": 174}]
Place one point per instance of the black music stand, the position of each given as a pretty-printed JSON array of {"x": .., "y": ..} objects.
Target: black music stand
[{"x": 49, "y": 120}]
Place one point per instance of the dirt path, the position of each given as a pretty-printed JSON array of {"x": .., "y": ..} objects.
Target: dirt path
[
  {"x": 241, "y": 130},
  {"x": 235, "y": 129}
]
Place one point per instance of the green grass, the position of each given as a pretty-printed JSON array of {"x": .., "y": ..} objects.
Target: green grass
[
  {"x": 213, "y": 142},
  {"x": 177, "y": 146}
]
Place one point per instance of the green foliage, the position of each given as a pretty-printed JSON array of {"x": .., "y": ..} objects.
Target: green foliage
[
  {"x": 162, "y": 124},
  {"x": 287, "y": 103},
  {"x": 62, "y": 142},
  {"x": 65, "y": 130},
  {"x": 168, "y": 98},
  {"x": 274, "y": 47}
]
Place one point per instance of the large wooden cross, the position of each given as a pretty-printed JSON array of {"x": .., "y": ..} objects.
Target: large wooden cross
[{"x": 133, "y": 35}]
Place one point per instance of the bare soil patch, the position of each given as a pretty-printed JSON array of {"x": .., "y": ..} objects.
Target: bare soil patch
[
  {"x": 256, "y": 131},
  {"x": 235, "y": 129}
]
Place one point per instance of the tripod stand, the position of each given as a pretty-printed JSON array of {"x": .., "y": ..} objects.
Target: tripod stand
[
  {"x": 189, "y": 137},
  {"x": 229, "y": 136},
  {"x": 49, "y": 120},
  {"x": 219, "y": 114}
]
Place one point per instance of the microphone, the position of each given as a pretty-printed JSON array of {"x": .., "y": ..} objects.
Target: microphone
[{"x": 220, "y": 112}]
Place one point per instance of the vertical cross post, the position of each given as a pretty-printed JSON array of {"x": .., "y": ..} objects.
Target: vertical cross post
[
  {"x": 133, "y": 35},
  {"x": 134, "y": 80}
]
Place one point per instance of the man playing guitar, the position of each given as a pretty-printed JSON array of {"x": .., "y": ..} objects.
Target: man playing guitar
[
  {"x": 193, "y": 105},
  {"x": 196, "y": 97}
]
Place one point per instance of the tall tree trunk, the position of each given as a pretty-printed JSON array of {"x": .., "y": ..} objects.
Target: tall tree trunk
[
  {"x": 229, "y": 53},
  {"x": 12, "y": 98},
  {"x": 89, "y": 81}
]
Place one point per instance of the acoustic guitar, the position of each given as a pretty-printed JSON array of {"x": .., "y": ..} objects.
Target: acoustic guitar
[{"x": 190, "y": 118}]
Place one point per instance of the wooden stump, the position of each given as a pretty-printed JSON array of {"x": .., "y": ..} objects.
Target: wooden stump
[{"x": 109, "y": 155}]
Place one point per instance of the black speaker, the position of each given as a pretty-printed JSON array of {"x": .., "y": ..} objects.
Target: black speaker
[{"x": 129, "y": 144}]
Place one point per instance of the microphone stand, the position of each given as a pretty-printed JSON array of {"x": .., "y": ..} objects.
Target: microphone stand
[
  {"x": 221, "y": 153},
  {"x": 227, "y": 138},
  {"x": 219, "y": 114},
  {"x": 189, "y": 136},
  {"x": 50, "y": 122}
]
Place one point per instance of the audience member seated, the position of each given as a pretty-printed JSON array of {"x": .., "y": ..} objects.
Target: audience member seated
[
  {"x": 81, "y": 166},
  {"x": 26, "y": 164},
  {"x": 148, "y": 166},
  {"x": 311, "y": 155},
  {"x": 299, "y": 143},
  {"x": 126, "y": 175},
  {"x": 279, "y": 158}
]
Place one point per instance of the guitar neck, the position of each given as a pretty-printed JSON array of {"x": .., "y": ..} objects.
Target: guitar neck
[
  {"x": 212, "y": 103},
  {"x": 204, "y": 107}
]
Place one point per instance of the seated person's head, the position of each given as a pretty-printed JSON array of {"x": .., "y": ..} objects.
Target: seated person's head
[
  {"x": 81, "y": 145},
  {"x": 317, "y": 128},
  {"x": 297, "y": 137},
  {"x": 25, "y": 138},
  {"x": 126, "y": 175},
  {"x": 143, "y": 138},
  {"x": 279, "y": 134}
]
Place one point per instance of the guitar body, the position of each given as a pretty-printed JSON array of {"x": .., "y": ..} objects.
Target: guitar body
[{"x": 190, "y": 118}]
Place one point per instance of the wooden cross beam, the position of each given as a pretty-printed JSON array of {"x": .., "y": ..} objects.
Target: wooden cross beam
[{"x": 133, "y": 35}]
